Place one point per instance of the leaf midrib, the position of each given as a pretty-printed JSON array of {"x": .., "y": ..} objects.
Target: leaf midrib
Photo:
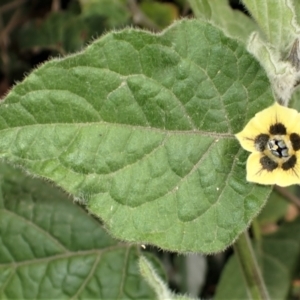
[{"x": 168, "y": 132}]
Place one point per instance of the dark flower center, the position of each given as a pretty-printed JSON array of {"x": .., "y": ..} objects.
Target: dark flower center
[
  {"x": 277, "y": 144},
  {"x": 278, "y": 148}
]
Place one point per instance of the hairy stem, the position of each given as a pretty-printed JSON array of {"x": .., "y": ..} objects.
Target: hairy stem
[{"x": 246, "y": 257}]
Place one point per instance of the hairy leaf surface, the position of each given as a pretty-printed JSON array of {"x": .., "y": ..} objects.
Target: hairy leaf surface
[
  {"x": 277, "y": 20},
  {"x": 140, "y": 127}
]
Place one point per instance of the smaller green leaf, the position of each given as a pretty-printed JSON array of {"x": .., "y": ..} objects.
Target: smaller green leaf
[
  {"x": 233, "y": 22},
  {"x": 277, "y": 20},
  {"x": 52, "y": 249}
]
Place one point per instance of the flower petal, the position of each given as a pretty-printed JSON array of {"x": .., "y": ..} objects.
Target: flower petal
[
  {"x": 256, "y": 173},
  {"x": 291, "y": 176},
  {"x": 262, "y": 122},
  {"x": 289, "y": 117},
  {"x": 286, "y": 178},
  {"x": 276, "y": 114},
  {"x": 247, "y": 138}
]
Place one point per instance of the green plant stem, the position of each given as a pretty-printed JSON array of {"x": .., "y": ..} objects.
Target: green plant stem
[
  {"x": 256, "y": 231},
  {"x": 254, "y": 281}
]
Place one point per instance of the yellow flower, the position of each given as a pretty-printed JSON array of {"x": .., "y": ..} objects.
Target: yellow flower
[{"x": 273, "y": 137}]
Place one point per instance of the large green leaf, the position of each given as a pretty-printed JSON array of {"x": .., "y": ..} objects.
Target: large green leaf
[
  {"x": 140, "y": 127},
  {"x": 51, "y": 249}
]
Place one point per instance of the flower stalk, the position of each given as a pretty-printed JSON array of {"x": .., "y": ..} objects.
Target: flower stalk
[{"x": 254, "y": 281}]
